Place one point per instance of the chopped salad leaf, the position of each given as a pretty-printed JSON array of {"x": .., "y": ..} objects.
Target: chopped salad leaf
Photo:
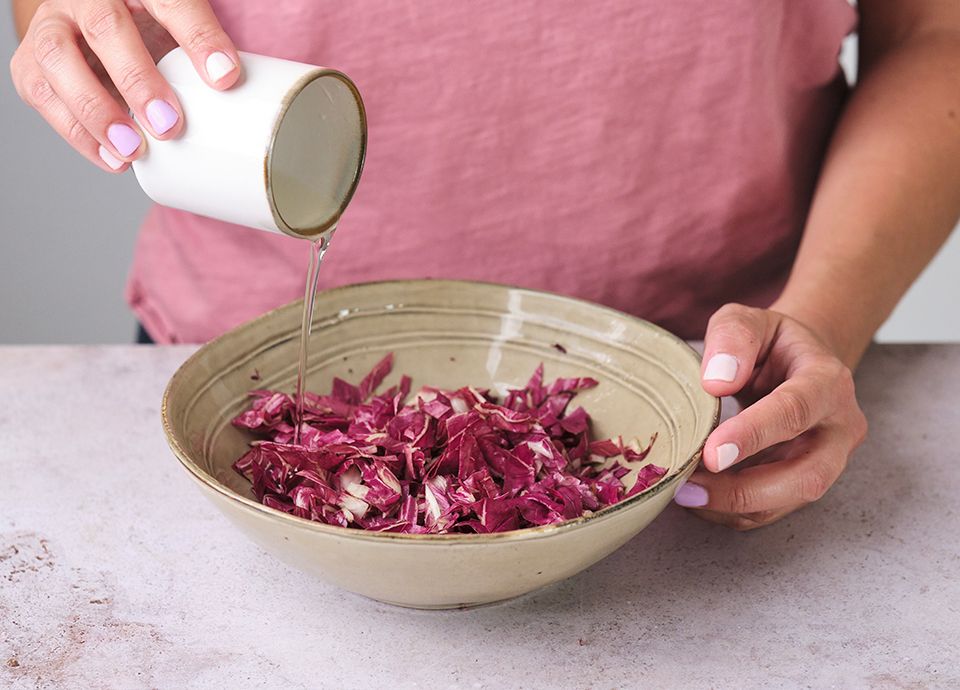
[{"x": 439, "y": 461}]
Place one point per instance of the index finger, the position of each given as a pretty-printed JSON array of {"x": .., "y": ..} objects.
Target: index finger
[
  {"x": 737, "y": 337},
  {"x": 196, "y": 28},
  {"x": 790, "y": 409},
  {"x": 110, "y": 32},
  {"x": 802, "y": 477}
]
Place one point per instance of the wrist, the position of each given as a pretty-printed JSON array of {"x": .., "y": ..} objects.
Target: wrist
[{"x": 839, "y": 331}]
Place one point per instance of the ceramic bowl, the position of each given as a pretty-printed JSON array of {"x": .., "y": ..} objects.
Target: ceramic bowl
[{"x": 448, "y": 334}]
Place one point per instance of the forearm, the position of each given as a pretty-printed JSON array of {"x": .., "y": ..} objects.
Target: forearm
[
  {"x": 888, "y": 195},
  {"x": 23, "y": 11}
]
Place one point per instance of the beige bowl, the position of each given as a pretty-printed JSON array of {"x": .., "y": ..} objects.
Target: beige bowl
[{"x": 448, "y": 334}]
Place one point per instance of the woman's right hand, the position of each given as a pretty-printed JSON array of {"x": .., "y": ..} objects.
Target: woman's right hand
[{"x": 83, "y": 64}]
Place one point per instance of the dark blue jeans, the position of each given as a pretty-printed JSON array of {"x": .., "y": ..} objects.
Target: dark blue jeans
[{"x": 143, "y": 338}]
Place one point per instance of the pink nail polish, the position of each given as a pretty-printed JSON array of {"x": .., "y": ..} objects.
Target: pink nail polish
[
  {"x": 124, "y": 138},
  {"x": 218, "y": 66},
  {"x": 727, "y": 454},
  {"x": 162, "y": 116},
  {"x": 108, "y": 158},
  {"x": 721, "y": 367},
  {"x": 691, "y": 496}
]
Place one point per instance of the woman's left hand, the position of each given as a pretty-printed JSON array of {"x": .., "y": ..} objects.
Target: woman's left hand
[{"x": 799, "y": 425}]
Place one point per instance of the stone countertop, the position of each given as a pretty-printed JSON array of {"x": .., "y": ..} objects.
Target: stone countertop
[{"x": 116, "y": 573}]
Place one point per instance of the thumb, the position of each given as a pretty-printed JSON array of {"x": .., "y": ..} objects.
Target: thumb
[{"x": 736, "y": 337}]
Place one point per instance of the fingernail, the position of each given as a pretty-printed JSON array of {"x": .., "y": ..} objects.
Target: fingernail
[
  {"x": 219, "y": 65},
  {"x": 726, "y": 455},
  {"x": 108, "y": 158},
  {"x": 162, "y": 115},
  {"x": 124, "y": 138},
  {"x": 721, "y": 367},
  {"x": 691, "y": 495}
]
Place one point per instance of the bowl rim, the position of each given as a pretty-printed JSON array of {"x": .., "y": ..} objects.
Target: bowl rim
[{"x": 522, "y": 534}]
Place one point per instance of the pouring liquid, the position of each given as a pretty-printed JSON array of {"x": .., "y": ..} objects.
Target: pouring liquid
[{"x": 317, "y": 249}]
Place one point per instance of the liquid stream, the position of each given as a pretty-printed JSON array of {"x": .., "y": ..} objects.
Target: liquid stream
[{"x": 317, "y": 249}]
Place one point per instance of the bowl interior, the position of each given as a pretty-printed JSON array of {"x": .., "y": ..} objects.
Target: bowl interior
[{"x": 446, "y": 334}]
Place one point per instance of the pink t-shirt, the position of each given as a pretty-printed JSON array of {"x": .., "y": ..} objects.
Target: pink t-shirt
[{"x": 657, "y": 157}]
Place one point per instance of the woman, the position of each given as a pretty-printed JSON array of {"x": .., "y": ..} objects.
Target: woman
[{"x": 697, "y": 164}]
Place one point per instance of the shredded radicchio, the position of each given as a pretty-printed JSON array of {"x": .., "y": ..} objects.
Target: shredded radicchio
[{"x": 446, "y": 461}]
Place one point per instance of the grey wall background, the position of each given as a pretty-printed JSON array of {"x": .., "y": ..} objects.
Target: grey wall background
[{"x": 67, "y": 234}]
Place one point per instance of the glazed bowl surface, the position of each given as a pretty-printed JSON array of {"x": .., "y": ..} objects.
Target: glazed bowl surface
[{"x": 446, "y": 334}]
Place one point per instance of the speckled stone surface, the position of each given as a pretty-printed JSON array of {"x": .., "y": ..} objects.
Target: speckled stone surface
[{"x": 116, "y": 573}]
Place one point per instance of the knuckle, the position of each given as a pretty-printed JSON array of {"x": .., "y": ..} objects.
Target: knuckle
[
  {"x": 736, "y": 321},
  {"x": 843, "y": 378},
  {"x": 826, "y": 364},
  {"x": 752, "y": 440},
  {"x": 200, "y": 36},
  {"x": 197, "y": 36},
  {"x": 15, "y": 66},
  {"x": 39, "y": 92},
  {"x": 764, "y": 517},
  {"x": 131, "y": 78},
  {"x": 102, "y": 21},
  {"x": 76, "y": 133},
  {"x": 49, "y": 45},
  {"x": 742, "y": 524},
  {"x": 44, "y": 9},
  {"x": 734, "y": 310},
  {"x": 860, "y": 428},
  {"x": 741, "y": 499},
  {"x": 796, "y": 414},
  {"x": 813, "y": 485},
  {"x": 169, "y": 8},
  {"x": 87, "y": 107},
  {"x": 835, "y": 381}
]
